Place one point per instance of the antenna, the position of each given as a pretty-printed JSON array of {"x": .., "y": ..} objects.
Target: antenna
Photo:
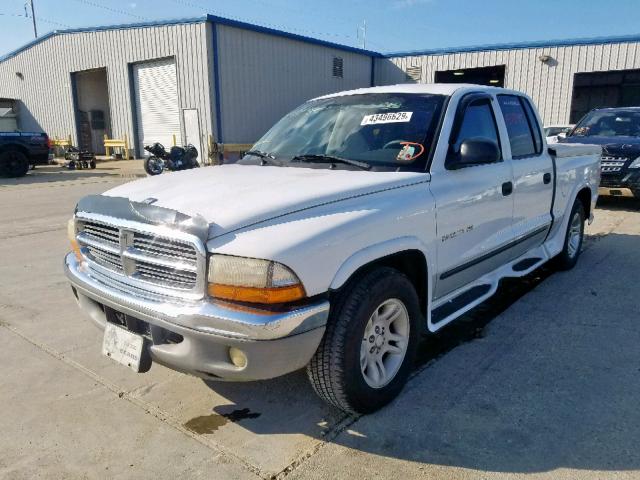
[
  {"x": 33, "y": 16},
  {"x": 361, "y": 35}
]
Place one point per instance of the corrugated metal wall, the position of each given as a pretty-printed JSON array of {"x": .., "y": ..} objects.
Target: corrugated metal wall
[
  {"x": 262, "y": 77},
  {"x": 45, "y": 90},
  {"x": 550, "y": 85}
]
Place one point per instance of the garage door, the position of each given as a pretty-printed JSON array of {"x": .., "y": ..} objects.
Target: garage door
[
  {"x": 591, "y": 90},
  {"x": 157, "y": 106}
]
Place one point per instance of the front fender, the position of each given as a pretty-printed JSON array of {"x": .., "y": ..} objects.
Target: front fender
[
  {"x": 326, "y": 244},
  {"x": 372, "y": 253}
]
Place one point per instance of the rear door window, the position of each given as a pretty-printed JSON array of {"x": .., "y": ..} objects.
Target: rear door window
[{"x": 520, "y": 132}]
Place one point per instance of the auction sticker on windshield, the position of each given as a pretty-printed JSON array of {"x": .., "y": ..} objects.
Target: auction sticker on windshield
[{"x": 391, "y": 117}]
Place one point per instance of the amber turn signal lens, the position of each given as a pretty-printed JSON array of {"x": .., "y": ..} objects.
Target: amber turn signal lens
[
  {"x": 71, "y": 233},
  {"x": 270, "y": 295}
]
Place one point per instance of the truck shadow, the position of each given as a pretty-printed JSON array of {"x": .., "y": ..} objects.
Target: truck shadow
[
  {"x": 619, "y": 203},
  {"x": 552, "y": 383}
]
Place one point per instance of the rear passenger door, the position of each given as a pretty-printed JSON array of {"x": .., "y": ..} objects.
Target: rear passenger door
[{"x": 532, "y": 172}]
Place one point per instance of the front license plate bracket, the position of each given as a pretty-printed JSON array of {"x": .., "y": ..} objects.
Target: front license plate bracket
[{"x": 127, "y": 348}]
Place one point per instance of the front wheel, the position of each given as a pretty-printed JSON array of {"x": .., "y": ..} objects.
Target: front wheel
[
  {"x": 367, "y": 352},
  {"x": 13, "y": 163},
  {"x": 153, "y": 165},
  {"x": 574, "y": 236}
]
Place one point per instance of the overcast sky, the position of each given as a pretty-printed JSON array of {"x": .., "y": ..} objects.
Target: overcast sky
[{"x": 392, "y": 25}]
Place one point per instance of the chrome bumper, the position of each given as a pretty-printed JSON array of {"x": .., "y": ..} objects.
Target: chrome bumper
[
  {"x": 615, "y": 192},
  {"x": 274, "y": 344}
]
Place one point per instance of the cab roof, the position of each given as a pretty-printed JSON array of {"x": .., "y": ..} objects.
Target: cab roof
[{"x": 447, "y": 89}]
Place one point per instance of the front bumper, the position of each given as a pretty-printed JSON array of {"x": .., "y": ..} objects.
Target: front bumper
[
  {"x": 621, "y": 184},
  {"x": 274, "y": 344}
]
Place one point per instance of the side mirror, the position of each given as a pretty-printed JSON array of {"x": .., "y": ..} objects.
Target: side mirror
[
  {"x": 562, "y": 135},
  {"x": 474, "y": 151}
]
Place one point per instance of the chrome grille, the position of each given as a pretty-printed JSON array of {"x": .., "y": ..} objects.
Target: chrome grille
[
  {"x": 164, "y": 247},
  {"x": 612, "y": 164},
  {"x": 106, "y": 259},
  {"x": 139, "y": 258}
]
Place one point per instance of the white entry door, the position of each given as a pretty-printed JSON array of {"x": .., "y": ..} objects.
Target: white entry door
[
  {"x": 192, "y": 130},
  {"x": 157, "y": 105}
]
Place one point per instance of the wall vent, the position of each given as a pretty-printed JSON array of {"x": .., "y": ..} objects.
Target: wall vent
[{"x": 337, "y": 67}]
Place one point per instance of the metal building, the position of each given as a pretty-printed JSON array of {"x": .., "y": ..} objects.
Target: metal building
[
  {"x": 214, "y": 78},
  {"x": 191, "y": 78},
  {"x": 565, "y": 78}
]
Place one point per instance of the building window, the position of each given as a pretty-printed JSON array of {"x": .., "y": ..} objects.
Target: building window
[
  {"x": 414, "y": 73},
  {"x": 337, "y": 67}
]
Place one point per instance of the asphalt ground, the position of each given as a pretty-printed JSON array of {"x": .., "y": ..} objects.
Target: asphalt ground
[{"x": 541, "y": 381}]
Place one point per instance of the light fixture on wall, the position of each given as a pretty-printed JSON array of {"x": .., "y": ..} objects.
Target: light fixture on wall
[
  {"x": 545, "y": 58},
  {"x": 20, "y": 75}
]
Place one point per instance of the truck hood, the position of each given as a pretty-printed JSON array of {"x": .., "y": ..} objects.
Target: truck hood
[
  {"x": 616, "y": 146},
  {"x": 230, "y": 197}
]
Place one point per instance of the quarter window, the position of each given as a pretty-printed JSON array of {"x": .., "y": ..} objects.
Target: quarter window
[{"x": 518, "y": 128}]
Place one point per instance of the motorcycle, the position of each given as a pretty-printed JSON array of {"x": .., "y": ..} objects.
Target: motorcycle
[{"x": 177, "y": 158}]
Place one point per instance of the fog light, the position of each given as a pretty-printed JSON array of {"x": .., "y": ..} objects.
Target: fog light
[{"x": 238, "y": 358}]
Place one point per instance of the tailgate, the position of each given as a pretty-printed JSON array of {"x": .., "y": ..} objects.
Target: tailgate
[{"x": 562, "y": 150}]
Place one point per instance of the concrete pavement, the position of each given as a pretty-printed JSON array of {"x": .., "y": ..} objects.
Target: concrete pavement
[{"x": 541, "y": 381}]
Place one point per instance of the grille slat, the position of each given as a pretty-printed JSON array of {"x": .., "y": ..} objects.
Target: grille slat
[
  {"x": 159, "y": 249},
  {"x": 610, "y": 164},
  {"x": 161, "y": 261},
  {"x": 106, "y": 259}
]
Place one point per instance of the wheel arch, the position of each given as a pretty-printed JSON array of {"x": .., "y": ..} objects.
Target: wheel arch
[
  {"x": 584, "y": 196},
  {"x": 406, "y": 255},
  {"x": 14, "y": 147}
]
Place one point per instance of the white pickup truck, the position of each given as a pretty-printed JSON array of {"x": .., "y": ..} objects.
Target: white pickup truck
[{"x": 360, "y": 221}]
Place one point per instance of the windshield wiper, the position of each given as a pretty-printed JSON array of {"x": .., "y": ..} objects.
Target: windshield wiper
[
  {"x": 266, "y": 158},
  {"x": 310, "y": 157}
]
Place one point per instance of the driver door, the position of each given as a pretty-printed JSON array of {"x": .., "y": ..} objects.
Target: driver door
[{"x": 474, "y": 205}]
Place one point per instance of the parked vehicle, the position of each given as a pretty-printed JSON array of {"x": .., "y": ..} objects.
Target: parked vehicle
[
  {"x": 556, "y": 132},
  {"x": 618, "y": 131},
  {"x": 20, "y": 151},
  {"x": 177, "y": 158},
  {"x": 360, "y": 221}
]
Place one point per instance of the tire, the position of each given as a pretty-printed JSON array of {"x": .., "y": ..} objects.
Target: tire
[
  {"x": 92, "y": 164},
  {"x": 337, "y": 370},
  {"x": 573, "y": 239},
  {"x": 13, "y": 163},
  {"x": 153, "y": 165}
]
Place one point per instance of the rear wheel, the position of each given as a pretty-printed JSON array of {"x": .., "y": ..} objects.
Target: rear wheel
[
  {"x": 568, "y": 257},
  {"x": 367, "y": 351},
  {"x": 13, "y": 163}
]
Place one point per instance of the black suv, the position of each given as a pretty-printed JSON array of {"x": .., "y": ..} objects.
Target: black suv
[{"x": 618, "y": 131}]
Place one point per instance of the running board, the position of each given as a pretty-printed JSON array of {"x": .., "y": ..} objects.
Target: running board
[
  {"x": 453, "y": 305},
  {"x": 458, "y": 303},
  {"x": 526, "y": 264}
]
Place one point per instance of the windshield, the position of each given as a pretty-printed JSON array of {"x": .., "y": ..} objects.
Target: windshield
[
  {"x": 608, "y": 124},
  {"x": 384, "y": 131}
]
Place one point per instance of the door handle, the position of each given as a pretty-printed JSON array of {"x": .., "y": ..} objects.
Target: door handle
[
  {"x": 507, "y": 188},
  {"x": 546, "y": 178}
]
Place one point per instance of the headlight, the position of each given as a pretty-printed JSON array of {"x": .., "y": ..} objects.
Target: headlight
[
  {"x": 71, "y": 233},
  {"x": 252, "y": 280},
  {"x": 635, "y": 163}
]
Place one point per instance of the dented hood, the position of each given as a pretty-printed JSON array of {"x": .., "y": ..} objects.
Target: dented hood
[{"x": 230, "y": 197}]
